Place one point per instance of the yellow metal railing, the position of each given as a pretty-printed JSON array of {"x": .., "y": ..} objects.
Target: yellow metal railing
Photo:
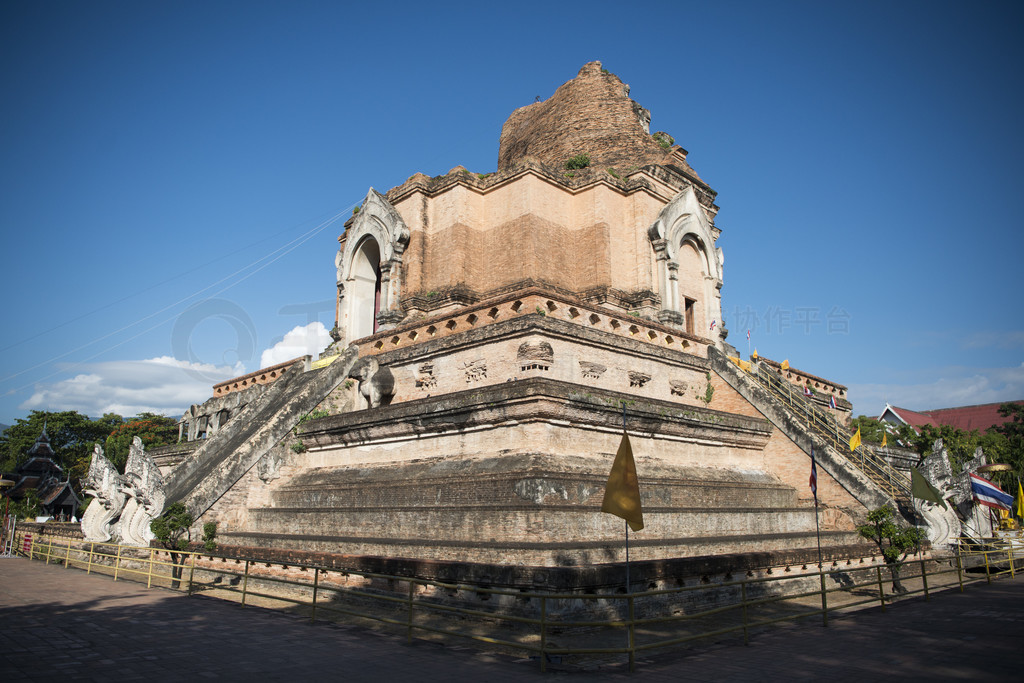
[
  {"x": 822, "y": 423},
  {"x": 585, "y": 624}
]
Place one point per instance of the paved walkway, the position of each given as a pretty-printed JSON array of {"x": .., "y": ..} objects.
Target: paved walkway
[{"x": 58, "y": 623}]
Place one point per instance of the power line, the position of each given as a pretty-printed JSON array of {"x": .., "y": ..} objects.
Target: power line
[
  {"x": 284, "y": 250},
  {"x": 144, "y": 290}
]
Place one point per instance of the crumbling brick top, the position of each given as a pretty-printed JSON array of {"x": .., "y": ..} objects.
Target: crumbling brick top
[{"x": 592, "y": 114}]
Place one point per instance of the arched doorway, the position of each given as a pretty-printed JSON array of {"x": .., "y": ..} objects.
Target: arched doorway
[
  {"x": 365, "y": 288},
  {"x": 693, "y": 269}
]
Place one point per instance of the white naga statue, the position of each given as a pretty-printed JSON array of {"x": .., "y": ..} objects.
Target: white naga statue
[
  {"x": 125, "y": 505},
  {"x": 104, "y": 484}
]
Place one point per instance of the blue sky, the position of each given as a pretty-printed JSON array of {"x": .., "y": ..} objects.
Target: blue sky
[{"x": 173, "y": 175}]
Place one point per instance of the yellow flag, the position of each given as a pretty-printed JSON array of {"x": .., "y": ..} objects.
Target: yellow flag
[
  {"x": 785, "y": 364},
  {"x": 1020, "y": 500},
  {"x": 744, "y": 365},
  {"x": 753, "y": 356},
  {"x": 622, "y": 493},
  {"x": 855, "y": 440},
  {"x": 883, "y": 439}
]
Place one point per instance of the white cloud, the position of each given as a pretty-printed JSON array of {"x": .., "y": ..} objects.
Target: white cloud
[
  {"x": 951, "y": 387},
  {"x": 161, "y": 385},
  {"x": 301, "y": 341}
]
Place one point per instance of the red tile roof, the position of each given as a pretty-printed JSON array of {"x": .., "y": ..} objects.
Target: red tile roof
[{"x": 981, "y": 417}]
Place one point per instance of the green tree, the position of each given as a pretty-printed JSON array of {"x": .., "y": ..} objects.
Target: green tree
[
  {"x": 172, "y": 530},
  {"x": 961, "y": 444},
  {"x": 27, "y": 507},
  {"x": 1012, "y": 431},
  {"x": 154, "y": 430},
  {"x": 895, "y": 541},
  {"x": 871, "y": 430},
  {"x": 71, "y": 435}
]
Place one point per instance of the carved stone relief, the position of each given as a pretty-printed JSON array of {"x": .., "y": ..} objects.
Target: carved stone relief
[
  {"x": 592, "y": 370},
  {"x": 475, "y": 370},
  {"x": 425, "y": 378},
  {"x": 537, "y": 356},
  {"x": 268, "y": 467},
  {"x": 678, "y": 387},
  {"x": 638, "y": 379}
]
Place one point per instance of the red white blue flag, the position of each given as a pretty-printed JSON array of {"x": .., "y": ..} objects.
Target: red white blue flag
[
  {"x": 814, "y": 477},
  {"x": 987, "y": 493},
  {"x": 713, "y": 322},
  {"x": 831, "y": 401},
  {"x": 748, "y": 335},
  {"x": 807, "y": 390}
]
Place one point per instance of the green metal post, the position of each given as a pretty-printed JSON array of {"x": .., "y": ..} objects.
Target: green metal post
[
  {"x": 924, "y": 578},
  {"x": 824, "y": 597},
  {"x": 632, "y": 635},
  {"x": 191, "y": 573},
  {"x": 543, "y": 633},
  {"x": 881, "y": 590},
  {"x": 743, "y": 598},
  {"x": 245, "y": 582},
  {"x": 316, "y": 588},
  {"x": 408, "y": 629}
]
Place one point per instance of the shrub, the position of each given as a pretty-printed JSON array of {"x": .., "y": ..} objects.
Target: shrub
[
  {"x": 577, "y": 162},
  {"x": 663, "y": 139},
  {"x": 209, "y": 534}
]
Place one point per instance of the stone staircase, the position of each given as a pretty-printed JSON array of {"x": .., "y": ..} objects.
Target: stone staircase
[
  {"x": 212, "y": 468},
  {"x": 869, "y": 477}
]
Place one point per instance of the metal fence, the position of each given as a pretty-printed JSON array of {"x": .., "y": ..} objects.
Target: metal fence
[{"x": 546, "y": 625}]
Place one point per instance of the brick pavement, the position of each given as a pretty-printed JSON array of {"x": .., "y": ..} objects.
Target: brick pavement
[{"x": 64, "y": 624}]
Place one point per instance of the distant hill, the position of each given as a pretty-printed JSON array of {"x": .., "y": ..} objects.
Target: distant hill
[{"x": 3, "y": 428}]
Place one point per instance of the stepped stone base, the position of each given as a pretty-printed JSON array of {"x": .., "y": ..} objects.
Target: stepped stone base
[{"x": 533, "y": 509}]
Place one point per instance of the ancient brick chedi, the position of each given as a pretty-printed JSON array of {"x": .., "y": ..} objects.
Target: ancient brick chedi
[{"x": 490, "y": 328}]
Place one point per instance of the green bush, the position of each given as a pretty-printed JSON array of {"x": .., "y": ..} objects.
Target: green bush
[
  {"x": 209, "y": 534},
  {"x": 577, "y": 162}
]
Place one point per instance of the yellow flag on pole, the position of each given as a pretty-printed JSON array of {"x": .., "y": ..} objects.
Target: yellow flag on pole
[
  {"x": 883, "y": 440},
  {"x": 754, "y": 355},
  {"x": 1020, "y": 500},
  {"x": 785, "y": 364},
  {"x": 622, "y": 493},
  {"x": 855, "y": 440}
]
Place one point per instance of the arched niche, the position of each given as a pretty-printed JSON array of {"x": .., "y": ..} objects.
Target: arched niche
[
  {"x": 370, "y": 269},
  {"x": 688, "y": 264},
  {"x": 690, "y": 283},
  {"x": 365, "y": 288}
]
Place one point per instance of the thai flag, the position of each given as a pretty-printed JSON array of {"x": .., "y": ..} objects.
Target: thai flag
[
  {"x": 814, "y": 477},
  {"x": 807, "y": 390},
  {"x": 987, "y": 493},
  {"x": 748, "y": 335},
  {"x": 831, "y": 401},
  {"x": 713, "y": 324}
]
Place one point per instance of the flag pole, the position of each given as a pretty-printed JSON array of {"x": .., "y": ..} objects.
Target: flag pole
[
  {"x": 817, "y": 528},
  {"x": 626, "y": 522}
]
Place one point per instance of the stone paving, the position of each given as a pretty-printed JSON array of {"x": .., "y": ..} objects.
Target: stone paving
[{"x": 58, "y": 623}]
